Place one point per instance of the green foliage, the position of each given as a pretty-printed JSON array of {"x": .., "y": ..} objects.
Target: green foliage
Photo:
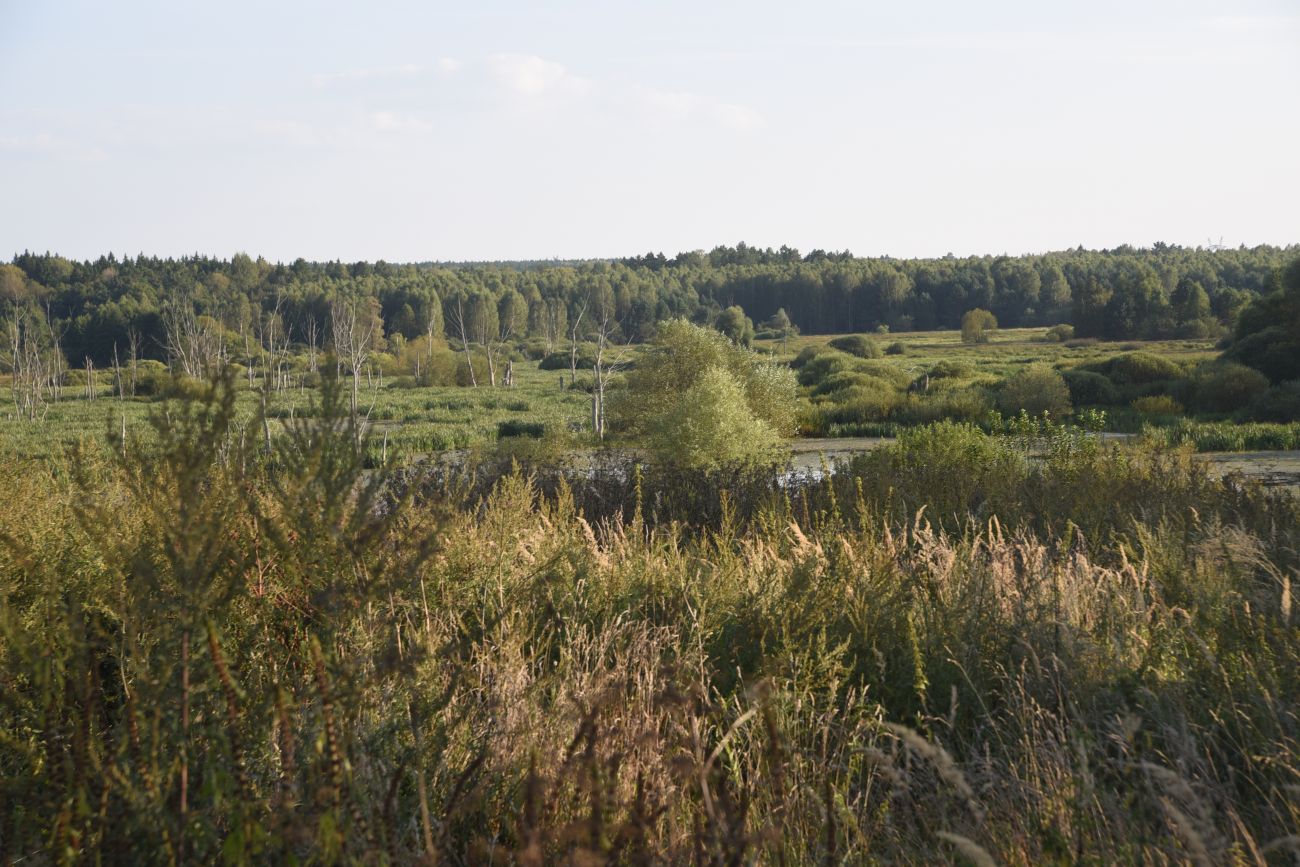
[
  {"x": 1158, "y": 406},
  {"x": 1228, "y": 436},
  {"x": 1036, "y": 389},
  {"x": 977, "y": 326},
  {"x": 1089, "y": 388},
  {"x": 520, "y": 428},
  {"x": 563, "y": 360},
  {"x": 712, "y": 426},
  {"x": 1281, "y": 403},
  {"x": 822, "y": 365},
  {"x": 1140, "y": 368},
  {"x": 1225, "y": 387},
  {"x": 738, "y": 327},
  {"x": 857, "y": 344},
  {"x": 1121, "y": 293},
  {"x": 666, "y": 396},
  {"x": 1060, "y": 333},
  {"x": 1268, "y": 331}
]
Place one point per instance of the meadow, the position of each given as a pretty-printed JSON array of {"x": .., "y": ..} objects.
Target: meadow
[{"x": 852, "y": 397}]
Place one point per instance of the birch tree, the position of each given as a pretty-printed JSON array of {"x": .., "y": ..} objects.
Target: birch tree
[{"x": 356, "y": 326}]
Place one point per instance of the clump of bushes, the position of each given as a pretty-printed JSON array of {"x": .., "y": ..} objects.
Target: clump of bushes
[
  {"x": 1037, "y": 390},
  {"x": 520, "y": 428},
  {"x": 1088, "y": 388},
  {"x": 1059, "y": 333},
  {"x": 950, "y": 369},
  {"x": 1138, "y": 368},
  {"x": 820, "y": 366},
  {"x": 1225, "y": 387},
  {"x": 1281, "y": 403},
  {"x": 562, "y": 360},
  {"x": 858, "y": 345},
  {"x": 807, "y": 354}
]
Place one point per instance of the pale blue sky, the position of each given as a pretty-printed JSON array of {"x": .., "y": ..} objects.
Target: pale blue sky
[{"x": 493, "y": 130}]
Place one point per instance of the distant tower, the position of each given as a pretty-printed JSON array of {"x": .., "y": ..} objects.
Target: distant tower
[{"x": 1213, "y": 247}]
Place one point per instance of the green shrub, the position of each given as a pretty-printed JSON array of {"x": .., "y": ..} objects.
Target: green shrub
[
  {"x": 1037, "y": 390},
  {"x": 977, "y": 326},
  {"x": 959, "y": 405},
  {"x": 1281, "y": 403},
  {"x": 1089, "y": 388},
  {"x": 842, "y": 380},
  {"x": 896, "y": 348},
  {"x": 1060, "y": 333},
  {"x": 712, "y": 426},
  {"x": 808, "y": 353},
  {"x": 960, "y": 469},
  {"x": 950, "y": 369},
  {"x": 562, "y": 360},
  {"x": 864, "y": 402},
  {"x": 1140, "y": 368},
  {"x": 822, "y": 366},
  {"x": 1226, "y": 387},
  {"x": 520, "y": 428},
  {"x": 858, "y": 345}
]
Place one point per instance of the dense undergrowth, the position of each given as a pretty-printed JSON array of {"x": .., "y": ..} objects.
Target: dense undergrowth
[{"x": 960, "y": 647}]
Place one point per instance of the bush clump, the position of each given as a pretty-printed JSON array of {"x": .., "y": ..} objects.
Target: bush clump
[
  {"x": 1037, "y": 390},
  {"x": 562, "y": 360},
  {"x": 1139, "y": 368},
  {"x": 1060, "y": 333},
  {"x": 1088, "y": 388},
  {"x": 520, "y": 428},
  {"x": 857, "y": 344},
  {"x": 1226, "y": 387}
]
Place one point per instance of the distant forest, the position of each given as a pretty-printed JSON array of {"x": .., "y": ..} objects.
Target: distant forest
[{"x": 97, "y": 308}]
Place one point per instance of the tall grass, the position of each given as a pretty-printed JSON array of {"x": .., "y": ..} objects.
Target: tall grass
[
  {"x": 1228, "y": 436},
  {"x": 948, "y": 651}
]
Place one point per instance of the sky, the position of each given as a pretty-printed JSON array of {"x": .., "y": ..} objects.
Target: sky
[{"x": 418, "y": 131}]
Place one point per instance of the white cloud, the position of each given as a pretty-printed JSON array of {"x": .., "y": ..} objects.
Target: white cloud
[
  {"x": 449, "y": 65},
  {"x": 682, "y": 107},
  {"x": 45, "y": 144},
  {"x": 402, "y": 70},
  {"x": 392, "y": 121},
  {"x": 738, "y": 117},
  {"x": 530, "y": 77}
]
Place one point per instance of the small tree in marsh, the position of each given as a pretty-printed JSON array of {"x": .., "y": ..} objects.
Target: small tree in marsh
[
  {"x": 712, "y": 426},
  {"x": 977, "y": 326},
  {"x": 701, "y": 401}
]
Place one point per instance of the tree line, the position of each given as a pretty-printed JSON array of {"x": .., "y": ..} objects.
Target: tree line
[{"x": 189, "y": 308}]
